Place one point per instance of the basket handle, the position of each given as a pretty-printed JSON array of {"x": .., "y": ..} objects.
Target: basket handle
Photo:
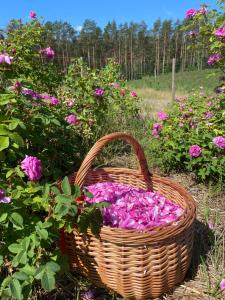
[{"x": 86, "y": 165}]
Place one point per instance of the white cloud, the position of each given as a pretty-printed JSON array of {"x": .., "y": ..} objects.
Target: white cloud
[{"x": 78, "y": 28}]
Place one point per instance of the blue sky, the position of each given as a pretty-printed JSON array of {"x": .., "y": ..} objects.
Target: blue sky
[{"x": 102, "y": 11}]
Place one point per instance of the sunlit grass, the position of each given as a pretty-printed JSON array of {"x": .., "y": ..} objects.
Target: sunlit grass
[{"x": 185, "y": 81}]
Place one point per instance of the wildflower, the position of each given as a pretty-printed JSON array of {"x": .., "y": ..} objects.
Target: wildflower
[
  {"x": 155, "y": 133},
  {"x": 50, "y": 54},
  {"x": 50, "y": 100},
  {"x": 32, "y": 167},
  {"x": 208, "y": 114},
  {"x": 54, "y": 101},
  {"x": 13, "y": 51},
  {"x": 211, "y": 225},
  {"x": 122, "y": 92},
  {"x": 209, "y": 103},
  {"x": 219, "y": 141},
  {"x": 222, "y": 284},
  {"x": 31, "y": 93},
  {"x": 72, "y": 120},
  {"x": 195, "y": 150},
  {"x": 162, "y": 116},
  {"x": 157, "y": 126},
  {"x": 88, "y": 295},
  {"x": 192, "y": 33},
  {"x": 133, "y": 94},
  {"x": 70, "y": 103},
  {"x": 17, "y": 86},
  {"x": 5, "y": 59},
  {"x": 220, "y": 32},
  {"x": 42, "y": 51},
  {"x": 3, "y": 198},
  {"x": 32, "y": 15},
  {"x": 202, "y": 11},
  {"x": 214, "y": 59},
  {"x": 99, "y": 92},
  {"x": 190, "y": 13},
  {"x": 115, "y": 85}
]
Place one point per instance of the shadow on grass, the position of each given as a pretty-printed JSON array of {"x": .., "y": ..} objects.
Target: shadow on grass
[{"x": 203, "y": 242}]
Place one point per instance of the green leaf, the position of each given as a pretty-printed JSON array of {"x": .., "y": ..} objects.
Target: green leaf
[
  {"x": 61, "y": 209},
  {"x": 52, "y": 266},
  {"x": 20, "y": 258},
  {"x": 77, "y": 191},
  {"x": 7, "y": 98},
  {"x": 55, "y": 190},
  {"x": 56, "y": 122},
  {"x": 4, "y": 142},
  {"x": 13, "y": 124},
  {"x": 88, "y": 194},
  {"x": 39, "y": 272},
  {"x": 66, "y": 186},
  {"x": 48, "y": 281},
  {"x": 3, "y": 129},
  {"x": 14, "y": 248},
  {"x": 96, "y": 222},
  {"x": 83, "y": 222},
  {"x": 21, "y": 276},
  {"x": 1, "y": 260},
  {"x": 30, "y": 270},
  {"x": 73, "y": 211},
  {"x": 16, "y": 289},
  {"x": 3, "y": 217},
  {"x": 43, "y": 233},
  {"x": 63, "y": 199},
  {"x": 17, "y": 220},
  {"x": 9, "y": 173},
  {"x": 17, "y": 139}
]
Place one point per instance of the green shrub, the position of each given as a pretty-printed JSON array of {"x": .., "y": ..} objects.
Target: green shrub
[{"x": 196, "y": 120}]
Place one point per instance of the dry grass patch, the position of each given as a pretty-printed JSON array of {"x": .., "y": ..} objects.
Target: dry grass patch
[{"x": 153, "y": 100}]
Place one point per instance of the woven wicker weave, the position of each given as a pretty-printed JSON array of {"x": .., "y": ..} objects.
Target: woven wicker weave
[{"x": 137, "y": 265}]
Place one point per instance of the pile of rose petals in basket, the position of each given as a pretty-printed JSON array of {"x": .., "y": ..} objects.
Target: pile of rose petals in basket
[{"x": 133, "y": 208}]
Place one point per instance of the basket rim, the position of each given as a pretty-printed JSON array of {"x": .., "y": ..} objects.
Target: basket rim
[{"x": 158, "y": 233}]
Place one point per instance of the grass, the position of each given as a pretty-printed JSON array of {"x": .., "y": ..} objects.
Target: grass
[{"x": 185, "y": 81}]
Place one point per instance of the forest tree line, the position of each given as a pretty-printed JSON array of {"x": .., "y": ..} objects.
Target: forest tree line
[{"x": 139, "y": 50}]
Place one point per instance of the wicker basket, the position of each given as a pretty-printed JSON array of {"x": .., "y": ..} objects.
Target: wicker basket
[{"x": 137, "y": 265}]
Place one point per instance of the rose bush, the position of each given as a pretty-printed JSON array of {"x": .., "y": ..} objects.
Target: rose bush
[
  {"x": 192, "y": 137},
  {"x": 45, "y": 131}
]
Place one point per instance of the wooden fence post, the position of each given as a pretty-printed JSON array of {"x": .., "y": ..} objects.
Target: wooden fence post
[{"x": 173, "y": 78}]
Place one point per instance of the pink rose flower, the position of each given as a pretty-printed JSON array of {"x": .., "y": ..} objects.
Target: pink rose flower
[
  {"x": 50, "y": 54},
  {"x": 162, "y": 116},
  {"x": 190, "y": 13},
  {"x": 133, "y": 94},
  {"x": 157, "y": 126},
  {"x": 72, "y": 120},
  {"x": 5, "y": 59},
  {"x": 219, "y": 141},
  {"x": 202, "y": 11},
  {"x": 220, "y": 32},
  {"x": 195, "y": 150},
  {"x": 32, "y": 167},
  {"x": 214, "y": 59},
  {"x": 99, "y": 92},
  {"x": 32, "y": 15},
  {"x": 222, "y": 284}
]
